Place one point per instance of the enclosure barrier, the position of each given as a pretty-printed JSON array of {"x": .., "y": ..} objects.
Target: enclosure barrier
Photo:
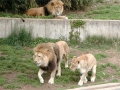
[{"x": 60, "y": 29}]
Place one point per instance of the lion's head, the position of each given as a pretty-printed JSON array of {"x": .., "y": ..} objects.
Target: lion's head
[
  {"x": 55, "y": 7},
  {"x": 42, "y": 55},
  {"x": 78, "y": 62}
]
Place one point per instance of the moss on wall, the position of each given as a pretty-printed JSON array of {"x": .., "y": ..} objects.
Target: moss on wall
[{"x": 74, "y": 36}]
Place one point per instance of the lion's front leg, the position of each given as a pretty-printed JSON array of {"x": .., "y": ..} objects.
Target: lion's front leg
[
  {"x": 51, "y": 80},
  {"x": 40, "y": 75},
  {"x": 83, "y": 79}
]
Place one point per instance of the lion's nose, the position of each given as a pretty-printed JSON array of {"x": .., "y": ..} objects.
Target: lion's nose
[{"x": 35, "y": 61}]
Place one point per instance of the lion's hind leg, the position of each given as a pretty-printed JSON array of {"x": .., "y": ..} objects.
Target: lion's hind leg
[
  {"x": 66, "y": 60},
  {"x": 59, "y": 69},
  {"x": 93, "y": 73}
]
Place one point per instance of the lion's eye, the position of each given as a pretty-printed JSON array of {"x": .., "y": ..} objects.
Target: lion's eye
[{"x": 39, "y": 56}]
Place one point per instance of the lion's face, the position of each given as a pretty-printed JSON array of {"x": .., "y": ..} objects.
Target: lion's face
[
  {"x": 75, "y": 64},
  {"x": 56, "y": 7},
  {"x": 40, "y": 59}
]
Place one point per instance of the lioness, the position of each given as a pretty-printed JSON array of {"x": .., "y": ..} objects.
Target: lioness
[
  {"x": 54, "y": 7},
  {"x": 63, "y": 53},
  {"x": 84, "y": 63},
  {"x": 46, "y": 56}
]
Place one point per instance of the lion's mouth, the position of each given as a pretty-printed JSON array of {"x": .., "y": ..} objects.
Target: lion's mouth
[{"x": 38, "y": 64}]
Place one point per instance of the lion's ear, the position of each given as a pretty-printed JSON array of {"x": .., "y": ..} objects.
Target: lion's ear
[{"x": 52, "y": 4}]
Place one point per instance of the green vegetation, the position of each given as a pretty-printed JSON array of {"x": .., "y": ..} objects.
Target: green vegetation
[
  {"x": 101, "y": 42},
  {"x": 105, "y": 12},
  {"x": 100, "y": 56},
  {"x": 19, "y": 36},
  {"x": 74, "y": 35},
  {"x": 16, "y": 58},
  {"x": 109, "y": 11}
]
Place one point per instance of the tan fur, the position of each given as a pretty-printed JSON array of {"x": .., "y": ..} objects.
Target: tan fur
[
  {"x": 46, "y": 56},
  {"x": 50, "y": 55},
  {"x": 61, "y": 17},
  {"x": 35, "y": 12},
  {"x": 55, "y": 7},
  {"x": 64, "y": 52},
  {"x": 84, "y": 63}
]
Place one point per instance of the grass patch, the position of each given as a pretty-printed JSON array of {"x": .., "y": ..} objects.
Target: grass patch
[
  {"x": 2, "y": 80},
  {"x": 19, "y": 59},
  {"x": 19, "y": 36},
  {"x": 100, "y": 56},
  {"x": 105, "y": 12},
  {"x": 10, "y": 15},
  {"x": 12, "y": 86},
  {"x": 100, "y": 42}
]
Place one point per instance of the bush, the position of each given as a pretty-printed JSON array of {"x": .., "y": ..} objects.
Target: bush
[
  {"x": 77, "y": 4},
  {"x": 19, "y": 36},
  {"x": 15, "y": 6}
]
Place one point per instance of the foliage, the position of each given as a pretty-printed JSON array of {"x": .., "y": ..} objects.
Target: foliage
[
  {"x": 15, "y": 6},
  {"x": 80, "y": 4},
  {"x": 42, "y": 2},
  {"x": 19, "y": 36},
  {"x": 74, "y": 35},
  {"x": 101, "y": 42}
]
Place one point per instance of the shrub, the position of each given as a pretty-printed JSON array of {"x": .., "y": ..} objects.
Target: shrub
[
  {"x": 77, "y": 4},
  {"x": 15, "y": 6},
  {"x": 19, "y": 36}
]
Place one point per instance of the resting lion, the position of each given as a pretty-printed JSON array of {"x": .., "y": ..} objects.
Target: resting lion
[
  {"x": 47, "y": 56},
  {"x": 54, "y": 7},
  {"x": 84, "y": 63}
]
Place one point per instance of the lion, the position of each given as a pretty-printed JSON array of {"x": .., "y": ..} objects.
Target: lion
[
  {"x": 47, "y": 56},
  {"x": 63, "y": 53},
  {"x": 84, "y": 63},
  {"x": 54, "y": 7},
  {"x": 61, "y": 17}
]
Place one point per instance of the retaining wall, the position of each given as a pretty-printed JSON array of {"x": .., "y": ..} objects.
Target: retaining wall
[{"x": 56, "y": 29}]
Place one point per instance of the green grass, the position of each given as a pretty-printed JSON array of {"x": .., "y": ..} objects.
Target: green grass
[
  {"x": 100, "y": 56},
  {"x": 19, "y": 59},
  {"x": 10, "y": 15},
  {"x": 3, "y": 80},
  {"x": 12, "y": 86},
  {"x": 105, "y": 12},
  {"x": 100, "y": 42}
]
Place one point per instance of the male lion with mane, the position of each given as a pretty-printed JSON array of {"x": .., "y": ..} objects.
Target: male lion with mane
[
  {"x": 47, "y": 56},
  {"x": 84, "y": 63},
  {"x": 54, "y": 7}
]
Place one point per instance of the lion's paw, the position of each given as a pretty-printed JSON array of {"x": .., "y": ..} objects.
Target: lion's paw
[
  {"x": 85, "y": 81},
  {"x": 80, "y": 83},
  {"x": 92, "y": 79},
  {"x": 41, "y": 80},
  {"x": 58, "y": 74},
  {"x": 51, "y": 81}
]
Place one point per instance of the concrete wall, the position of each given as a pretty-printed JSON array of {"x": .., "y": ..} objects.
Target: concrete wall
[{"x": 56, "y": 29}]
